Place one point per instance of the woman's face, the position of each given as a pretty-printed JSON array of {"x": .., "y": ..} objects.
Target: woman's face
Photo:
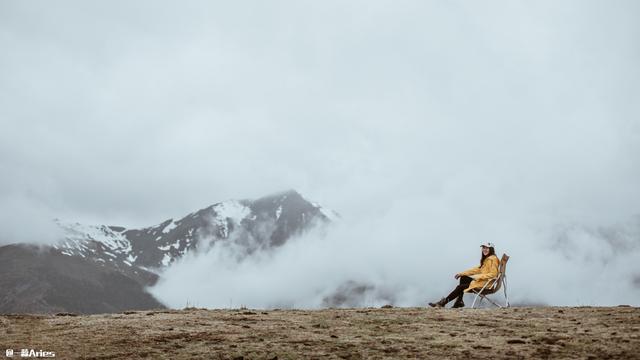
[{"x": 485, "y": 251}]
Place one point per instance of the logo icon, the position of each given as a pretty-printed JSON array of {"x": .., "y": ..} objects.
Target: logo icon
[{"x": 9, "y": 353}]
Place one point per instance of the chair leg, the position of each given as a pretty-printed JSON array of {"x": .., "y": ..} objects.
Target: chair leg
[
  {"x": 473, "y": 305},
  {"x": 504, "y": 286},
  {"x": 483, "y": 297},
  {"x": 479, "y": 293},
  {"x": 476, "y": 299},
  {"x": 494, "y": 303}
]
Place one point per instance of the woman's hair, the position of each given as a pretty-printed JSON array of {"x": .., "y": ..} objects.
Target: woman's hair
[{"x": 491, "y": 252}]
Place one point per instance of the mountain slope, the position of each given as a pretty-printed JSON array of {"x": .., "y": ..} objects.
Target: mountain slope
[{"x": 43, "y": 280}]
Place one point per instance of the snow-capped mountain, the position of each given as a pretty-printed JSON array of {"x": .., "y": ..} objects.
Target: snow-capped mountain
[
  {"x": 100, "y": 268},
  {"x": 258, "y": 224}
]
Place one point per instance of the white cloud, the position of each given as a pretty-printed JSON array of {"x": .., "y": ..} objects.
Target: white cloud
[{"x": 461, "y": 121}]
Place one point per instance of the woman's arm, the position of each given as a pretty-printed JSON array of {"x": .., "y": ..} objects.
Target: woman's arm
[
  {"x": 474, "y": 270},
  {"x": 491, "y": 270}
]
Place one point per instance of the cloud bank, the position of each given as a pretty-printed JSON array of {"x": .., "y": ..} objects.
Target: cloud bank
[{"x": 429, "y": 126}]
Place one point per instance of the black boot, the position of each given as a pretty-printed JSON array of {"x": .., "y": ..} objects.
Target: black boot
[
  {"x": 458, "y": 304},
  {"x": 440, "y": 303}
]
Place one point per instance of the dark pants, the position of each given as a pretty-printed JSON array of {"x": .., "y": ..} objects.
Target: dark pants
[{"x": 458, "y": 292}]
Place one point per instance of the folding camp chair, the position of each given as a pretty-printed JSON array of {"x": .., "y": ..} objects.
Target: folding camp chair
[{"x": 500, "y": 281}]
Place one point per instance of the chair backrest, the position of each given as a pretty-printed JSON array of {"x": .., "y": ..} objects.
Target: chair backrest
[{"x": 502, "y": 270}]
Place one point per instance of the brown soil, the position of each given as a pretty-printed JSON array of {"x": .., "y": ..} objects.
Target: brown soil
[{"x": 515, "y": 333}]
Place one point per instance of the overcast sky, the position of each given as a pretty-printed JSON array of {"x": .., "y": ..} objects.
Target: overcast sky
[{"x": 452, "y": 122}]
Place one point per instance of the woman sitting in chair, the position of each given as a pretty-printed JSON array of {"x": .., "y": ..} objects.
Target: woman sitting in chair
[{"x": 475, "y": 278}]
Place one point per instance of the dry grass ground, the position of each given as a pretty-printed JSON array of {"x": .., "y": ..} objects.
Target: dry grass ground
[{"x": 515, "y": 333}]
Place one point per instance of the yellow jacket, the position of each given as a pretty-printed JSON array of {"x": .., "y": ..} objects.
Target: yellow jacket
[{"x": 488, "y": 270}]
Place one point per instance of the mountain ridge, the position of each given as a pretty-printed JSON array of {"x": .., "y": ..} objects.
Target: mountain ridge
[
  {"x": 104, "y": 256},
  {"x": 266, "y": 222}
]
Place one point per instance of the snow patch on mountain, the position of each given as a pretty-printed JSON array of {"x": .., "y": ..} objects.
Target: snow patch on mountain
[
  {"x": 265, "y": 222},
  {"x": 232, "y": 209},
  {"x": 78, "y": 239},
  {"x": 170, "y": 226},
  {"x": 166, "y": 259}
]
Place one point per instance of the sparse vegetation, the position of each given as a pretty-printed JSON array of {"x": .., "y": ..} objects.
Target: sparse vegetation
[{"x": 193, "y": 333}]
